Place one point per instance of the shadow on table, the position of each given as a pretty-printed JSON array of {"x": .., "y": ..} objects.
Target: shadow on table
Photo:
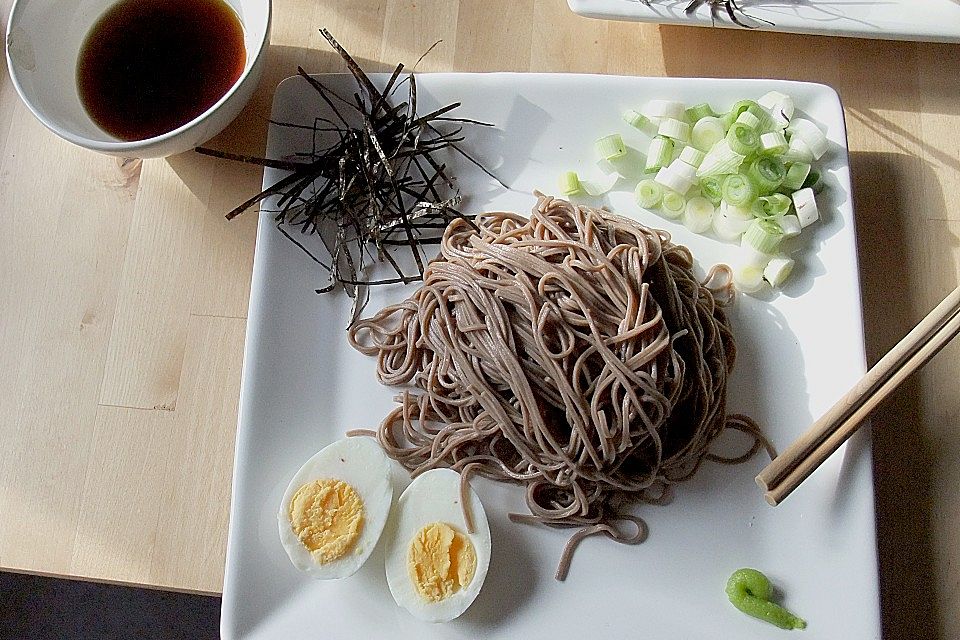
[
  {"x": 46, "y": 608},
  {"x": 875, "y": 74},
  {"x": 904, "y": 458}
]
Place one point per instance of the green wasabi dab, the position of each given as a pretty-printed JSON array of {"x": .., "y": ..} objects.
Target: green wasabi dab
[{"x": 750, "y": 591}]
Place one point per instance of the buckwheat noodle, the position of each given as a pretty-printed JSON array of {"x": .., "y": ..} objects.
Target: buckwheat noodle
[{"x": 573, "y": 352}]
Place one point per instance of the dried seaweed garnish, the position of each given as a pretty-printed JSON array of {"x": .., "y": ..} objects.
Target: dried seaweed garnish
[
  {"x": 732, "y": 7},
  {"x": 380, "y": 184}
]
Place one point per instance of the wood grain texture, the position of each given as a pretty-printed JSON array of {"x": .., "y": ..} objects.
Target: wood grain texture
[{"x": 123, "y": 292}]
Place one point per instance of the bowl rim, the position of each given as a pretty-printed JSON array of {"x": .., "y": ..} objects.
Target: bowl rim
[{"x": 132, "y": 146}]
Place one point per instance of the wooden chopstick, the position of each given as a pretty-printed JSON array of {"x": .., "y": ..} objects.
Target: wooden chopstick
[{"x": 798, "y": 461}]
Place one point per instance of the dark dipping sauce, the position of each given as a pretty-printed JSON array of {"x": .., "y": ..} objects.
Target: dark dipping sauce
[{"x": 150, "y": 66}]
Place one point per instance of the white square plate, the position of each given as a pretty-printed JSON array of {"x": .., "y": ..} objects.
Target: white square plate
[
  {"x": 303, "y": 386},
  {"x": 925, "y": 20}
]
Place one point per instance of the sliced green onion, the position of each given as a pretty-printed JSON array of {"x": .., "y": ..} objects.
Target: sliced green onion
[
  {"x": 678, "y": 176},
  {"x": 661, "y": 109},
  {"x": 767, "y": 173},
  {"x": 648, "y": 194},
  {"x": 774, "y": 206},
  {"x": 659, "y": 154},
  {"x": 739, "y": 190},
  {"x": 773, "y": 143},
  {"x": 748, "y": 278},
  {"x": 796, "y": 175},
  {"x": 600, "y": 186},
  {"x": 707, "y": 132},
  {"x": 748, "y": 119},
  {"x": 728, "y": 228},
  {"x": 778, "y": 270},
  {"x": 569, "y": 183},
  {"x": 698, "y": 214},
  {"x": 771, "y": 98},
  {"x": 720, "y": 160},
  {"x": 674, "y": 129},
  {"x": 711, "y": 188},
  {"x": 790, "y": 225},
  {"x": 637, "y": 120},
  {"x": 742, "y": 139},
  {"x": 610, "y": 147},
  {"x": 798, "y": 151},
  {"x": 805, "y": 203},
  {"x": 699, "y": 111},
  {"x": 692, "y": 156},
  {"x": 765, "y": 122},
  {"x": 811, "y": 134},
  {"x": 741, "y": 106},
  {"x": 672, "y": 204},
  {"x": 728, "y": 119},
  {"x": 763, "y": 236}
]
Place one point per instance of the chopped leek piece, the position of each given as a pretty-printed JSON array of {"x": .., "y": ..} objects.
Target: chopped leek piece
[
  {"x": 659, "y": 153},
  {"x": 692, "y": 156},
  {"x": 805, "y": 203},
  {"x": 720, "y": 160},
  {"x": 811, "y": 134},
  {"x": 728, "y": 228},
  {"x": 790, "y": 225},
  {"x": 773, "y": 143},
  {"x": 678, "y": 176},
  {"x": 711, "y": 188},
  {"x": 675, "y": 130},
  {"x": 798, "y": 151},
  {"x": 672, "y": 204},
  {"x": 763, "y": 235},
  {"x": 780, "y": 106},
  {"x": 600, "y": 186},
  {"x": 742, "y": 139},
  {"x": 664, "y": 109},
  {"x": 739, "y": 190},
  {"x": 748, "y": 277},
  {"x": 771, "y": 98},
  {"x": 707, "y": 132},
  {"x": 637, "y": 120},
  {"x": 778, "y": 270},
  {"x": 767, "y": 173},
  {"x": 741, "y": 106},
  {"x": 773, "y": 206},
  {"x": 648, "y": 194},
  {"x": 610, "y": 147},
  {"x": 765, "y": 122},
  {"x": 796, "y": 175},
  {"x": 748, "y": 119},
  {"x": 699, "y": 111},
  {"x": 698, "y": 214},
  {"x": 569, "y": 183}
]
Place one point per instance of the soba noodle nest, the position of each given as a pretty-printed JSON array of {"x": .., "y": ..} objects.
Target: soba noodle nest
[{"x": 574, "y": 352}]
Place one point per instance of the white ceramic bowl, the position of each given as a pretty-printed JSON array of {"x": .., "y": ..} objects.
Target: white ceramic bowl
[{"x": 43, "y": 42}]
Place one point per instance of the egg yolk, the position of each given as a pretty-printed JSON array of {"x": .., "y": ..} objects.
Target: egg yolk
[
  {"x": 327, "y": 516},
  {"x": 441, "y": 561}
]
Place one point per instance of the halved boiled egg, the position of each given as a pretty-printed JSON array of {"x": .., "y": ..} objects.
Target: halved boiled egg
[
  {"x": 435, "y": 568},
  {"x": 335, "y": 508}
]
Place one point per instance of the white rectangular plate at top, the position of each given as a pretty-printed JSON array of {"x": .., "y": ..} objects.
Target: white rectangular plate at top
[
  {"x": 924, "y": 20},
  {"x": 303, "y": 386}
]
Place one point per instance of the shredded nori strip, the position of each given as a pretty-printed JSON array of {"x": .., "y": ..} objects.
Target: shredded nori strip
[
  {"x": 732, "y": 7},
  {"x": 378, "y": 185}
]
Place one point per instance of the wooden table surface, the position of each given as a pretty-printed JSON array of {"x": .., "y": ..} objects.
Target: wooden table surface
[{"x": 123, "y": 291}]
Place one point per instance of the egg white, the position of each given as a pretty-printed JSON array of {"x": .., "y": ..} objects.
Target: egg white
[
  {"x": 434, "y": 497},
  {"x": 361, "y": 463}
]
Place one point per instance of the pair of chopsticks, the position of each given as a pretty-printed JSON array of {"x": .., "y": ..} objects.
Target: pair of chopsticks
[{"x": 800, "y": 459}]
